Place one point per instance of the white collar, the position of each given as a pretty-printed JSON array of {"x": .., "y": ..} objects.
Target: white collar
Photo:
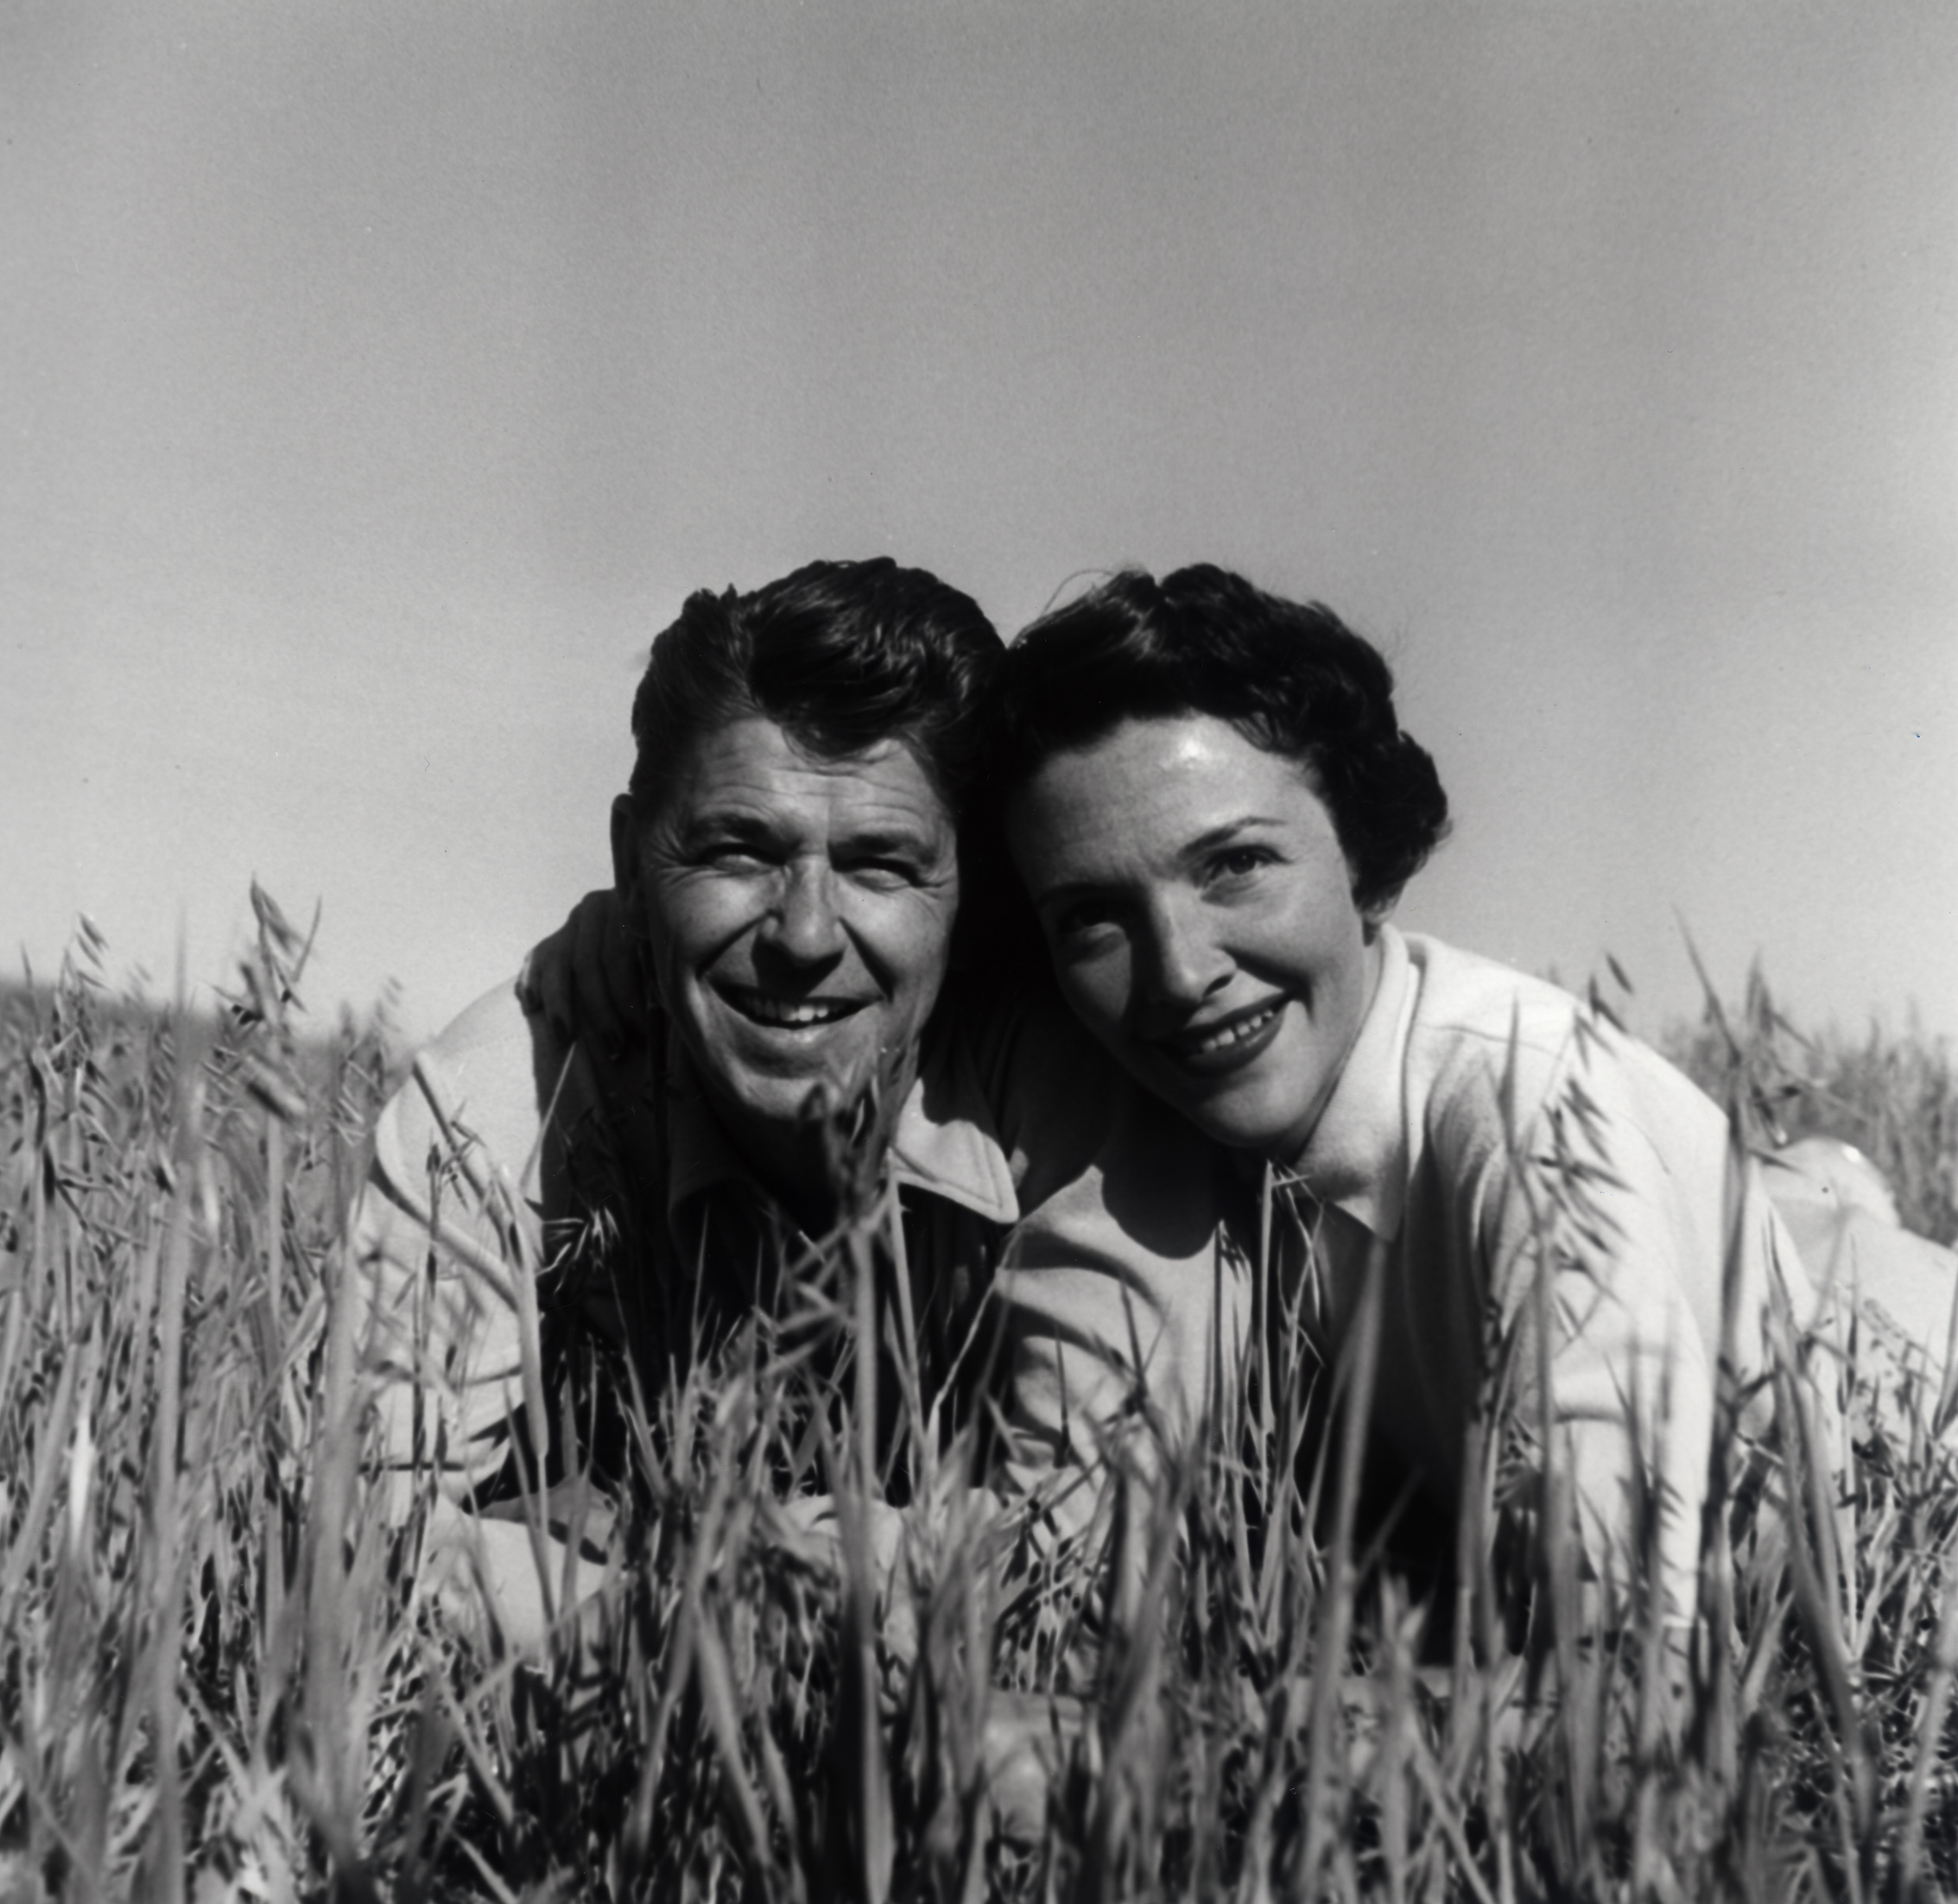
[
  {"x": 944, "y": 1142},
  {"x": 1357, "y": 1156}
]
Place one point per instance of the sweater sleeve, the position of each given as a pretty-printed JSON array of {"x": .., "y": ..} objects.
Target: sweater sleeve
[
  {"x": 1118, "y": 1303},
  {"x": 1604, "y": 1202}
]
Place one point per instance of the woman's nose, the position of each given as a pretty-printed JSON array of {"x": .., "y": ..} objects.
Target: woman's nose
[{"x": 1182, "y": 964}]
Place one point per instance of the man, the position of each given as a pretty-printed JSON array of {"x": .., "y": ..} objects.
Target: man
[{"x": 786, "y": 861}]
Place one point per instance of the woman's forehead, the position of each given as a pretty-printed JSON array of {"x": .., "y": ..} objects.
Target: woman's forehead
[
  {"x": 1182, "y": 756},
  {"x": 1161, "y": 784}
]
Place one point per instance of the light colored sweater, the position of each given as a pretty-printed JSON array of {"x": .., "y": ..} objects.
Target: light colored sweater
[{"x": 1485, "y": 1126}]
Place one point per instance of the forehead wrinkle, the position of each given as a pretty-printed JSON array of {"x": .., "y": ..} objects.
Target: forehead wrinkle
[
  {"x": 751, "y": 762},
  {"x": 868, "y": 819},
  {"x": 773, "y": 811}
]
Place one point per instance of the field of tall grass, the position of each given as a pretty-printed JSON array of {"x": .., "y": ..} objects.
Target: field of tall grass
[{"x": 223, "y": 1672}]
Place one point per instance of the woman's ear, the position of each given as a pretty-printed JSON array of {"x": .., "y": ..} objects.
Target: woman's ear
[{"x": 1375, "y": 913}]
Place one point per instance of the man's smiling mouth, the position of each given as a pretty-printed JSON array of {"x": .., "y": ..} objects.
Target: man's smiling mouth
[{"x": 788, "y": 1013}]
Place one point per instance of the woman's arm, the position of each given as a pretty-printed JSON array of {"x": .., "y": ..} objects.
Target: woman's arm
[
  {"x": 1608, "y": 1202},
  {"x": 586, "y": 979}
]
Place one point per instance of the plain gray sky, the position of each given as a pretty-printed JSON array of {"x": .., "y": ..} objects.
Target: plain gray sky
[{"x": 376, "y": 379}]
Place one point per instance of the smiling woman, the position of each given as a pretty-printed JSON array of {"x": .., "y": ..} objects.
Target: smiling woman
[
  {"x": 1213, "y": 810},
  {"x": 1211, "y": 940},
  {"x": 1208, "y": 796}
]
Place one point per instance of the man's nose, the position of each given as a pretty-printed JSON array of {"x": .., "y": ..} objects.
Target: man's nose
[
  {"x": 807, "y": 926},
  {"x": 1182, "y": 963}
]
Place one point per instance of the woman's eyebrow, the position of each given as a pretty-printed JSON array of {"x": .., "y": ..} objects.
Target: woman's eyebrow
[
  {"x": 1208, "y": 841},
  {"x": 1222, "y": 835},
  {"x": 1069, "y": 889}
]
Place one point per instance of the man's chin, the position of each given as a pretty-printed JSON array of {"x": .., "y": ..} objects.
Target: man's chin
[
  {"x": 774, "y": 1075},
  {"x": 783, "y": 1088}
]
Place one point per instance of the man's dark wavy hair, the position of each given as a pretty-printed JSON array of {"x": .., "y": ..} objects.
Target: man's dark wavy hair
[
  {"x": 841, "y": 656},
  {"x": 1290, "y": 677}
]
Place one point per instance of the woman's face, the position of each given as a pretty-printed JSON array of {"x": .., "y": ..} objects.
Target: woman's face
[{"x": 1201, "y": 916}]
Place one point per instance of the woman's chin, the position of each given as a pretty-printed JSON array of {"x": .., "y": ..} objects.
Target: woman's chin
[{"x": 1241, "y": 1113}]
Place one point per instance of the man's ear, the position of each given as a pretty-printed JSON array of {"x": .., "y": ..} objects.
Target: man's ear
[{"x": 625, "y": 856}]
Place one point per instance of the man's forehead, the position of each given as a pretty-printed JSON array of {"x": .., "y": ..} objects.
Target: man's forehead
[{"x": 753, "y": 768}]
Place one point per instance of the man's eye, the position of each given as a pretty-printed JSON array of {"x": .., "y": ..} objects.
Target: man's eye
[
  {"x": 881, "y": 875},
  {"x": 733, "y": 855}
]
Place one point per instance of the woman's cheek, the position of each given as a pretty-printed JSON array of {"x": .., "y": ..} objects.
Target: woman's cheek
[{"x": 1097, "y": 991}]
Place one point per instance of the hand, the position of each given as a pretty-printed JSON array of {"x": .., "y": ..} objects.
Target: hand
[
  {"x": 585, "y": 979},
  {"x": 1029, "y": 1739}
]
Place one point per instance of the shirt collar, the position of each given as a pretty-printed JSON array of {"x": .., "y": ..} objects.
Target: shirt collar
[
  {"x": 1356, "y": 1157},
  {"x": 944, "y": 1142}
]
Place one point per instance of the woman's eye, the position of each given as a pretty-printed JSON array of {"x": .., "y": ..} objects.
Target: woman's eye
[
  {"x": 1079, "y": 923},
  {"x": 1240, "y": 862}
]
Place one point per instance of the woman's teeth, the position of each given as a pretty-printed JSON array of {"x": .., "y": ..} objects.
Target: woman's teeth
[{"x": 1234, "y": 1034}]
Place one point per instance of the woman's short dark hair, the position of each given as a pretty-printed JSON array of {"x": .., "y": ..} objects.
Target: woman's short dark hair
[
  {"x": 1290, "y": 677},
  {"x": 841, "y": 656}
]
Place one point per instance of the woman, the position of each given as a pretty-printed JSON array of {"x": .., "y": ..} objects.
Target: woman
[{"x": 1208, "y": 798}]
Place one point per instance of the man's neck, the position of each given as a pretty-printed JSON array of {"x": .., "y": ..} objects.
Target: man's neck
[
  {"x": 813, "y": 1174},
  {"x": 829, "y": 1162}
]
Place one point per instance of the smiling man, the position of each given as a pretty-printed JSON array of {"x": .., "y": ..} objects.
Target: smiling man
[
  {"x": 795, "y": 910},
  {"x": 787, "y": 864}
]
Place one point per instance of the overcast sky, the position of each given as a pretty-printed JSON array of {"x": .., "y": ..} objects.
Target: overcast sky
[{"x": 376, "y": 380}]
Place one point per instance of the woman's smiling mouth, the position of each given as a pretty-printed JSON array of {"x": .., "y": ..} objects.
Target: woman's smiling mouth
[{"x": 1215, "y": 1048}]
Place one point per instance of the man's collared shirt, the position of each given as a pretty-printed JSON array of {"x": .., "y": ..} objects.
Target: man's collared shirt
[{"x": 1012, "y": 1107}]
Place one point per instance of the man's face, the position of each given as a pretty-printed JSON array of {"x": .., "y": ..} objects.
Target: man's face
[{"x": 799, "y": 912}]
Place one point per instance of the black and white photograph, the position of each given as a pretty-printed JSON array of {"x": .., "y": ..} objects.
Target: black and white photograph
[{"x": 993, "y": 951}]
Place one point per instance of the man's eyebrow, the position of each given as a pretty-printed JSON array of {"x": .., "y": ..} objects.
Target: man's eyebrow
[
  {"x": 741, "y": 827},
  {"x": 740, "y": 822},
  {"x": 889, "y": 837},
  {"x": 747, "y": 825}
]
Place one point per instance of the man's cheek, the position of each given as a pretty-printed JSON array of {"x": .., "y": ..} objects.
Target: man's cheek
[
  {"x": 928, "y": 935},
  {"x": 680, "y": 987},
  {"x": 699, "y": 928}
]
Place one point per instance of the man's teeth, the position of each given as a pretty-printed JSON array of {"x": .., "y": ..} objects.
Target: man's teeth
[
  {"x": 1227, "y": 1036},
  {"x": 780, "y": 1011}
]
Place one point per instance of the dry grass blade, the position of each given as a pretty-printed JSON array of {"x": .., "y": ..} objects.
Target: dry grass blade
[
  {"x": 1325, "y": 1751},
  {"x": 219, "y": 1659}
]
